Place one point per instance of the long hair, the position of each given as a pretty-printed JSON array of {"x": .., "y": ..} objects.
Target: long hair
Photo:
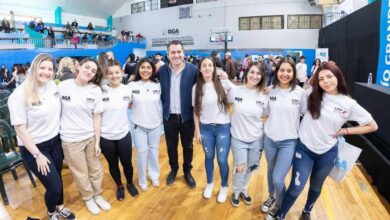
[
  {"x": 315, "y": 98},
  {"x": 31, "y": 82},
  {"x": 199, "y": 92},
  {"x": 97, "y": 79},
  {"x": 137, "y": 75},
  {"x": 263, "y": 82},
  {"x": 293, "y": 82},
  {"x": 102, "y": 62}
]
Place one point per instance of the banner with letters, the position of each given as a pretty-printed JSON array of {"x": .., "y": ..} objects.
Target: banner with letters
[{"x": 383, "y": 73}]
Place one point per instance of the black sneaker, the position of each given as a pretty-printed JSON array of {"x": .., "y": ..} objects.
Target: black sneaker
[
  {"x": 235, "y": 200},
  {"x": 67, "y": 214},
  {"x": 132, "y": 190},
  {"x": 273, "y": 213},
  {"x": 305, "y": 216},
  {"x": 54, "y": 216},
  {"x": 120, "y": 193},
  {"x": 267, "y": 204},
  {"x": 245, "y": 196}
]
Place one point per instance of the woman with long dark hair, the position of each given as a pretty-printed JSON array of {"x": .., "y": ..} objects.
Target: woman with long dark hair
[
  {"x": 145, "y": 92},
  {"x": 329, "y": 108},
  {"x": 247, "y": 130},
  {"x": 314, "y": 67},
  {"x": 287, "y": 101},
  {"x": 82, "y": 107},
  {"x": 212, "y": 125}
]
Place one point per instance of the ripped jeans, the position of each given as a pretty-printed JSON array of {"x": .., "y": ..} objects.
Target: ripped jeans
[
  {"x": 308, "y": 164},
  {"x": 246, "y": 159},
  {"x": 216, "y": 138}
]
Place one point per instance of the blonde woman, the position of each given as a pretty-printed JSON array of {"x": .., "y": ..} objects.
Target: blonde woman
[
  {"x": 35, "y": 110},
  {"x": 66, "y": 69}
]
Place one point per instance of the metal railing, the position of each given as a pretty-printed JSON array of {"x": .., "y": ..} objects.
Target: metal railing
[
  {"x": 16, "y": 43},
  {"x": 9, "y": 43}
]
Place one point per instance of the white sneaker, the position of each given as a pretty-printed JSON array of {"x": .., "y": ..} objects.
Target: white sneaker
[
  {"x": 208, "y": 191},
  {"x": 156, "y": 183},
  {"x": 102, "y": 203},
  {"x": 222, "y": 195},
  {"x": 92, "y": 207},
  {"x": 143, "y": 187}
]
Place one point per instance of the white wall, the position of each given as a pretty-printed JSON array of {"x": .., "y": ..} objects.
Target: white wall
[{"x": 205, "y": 16}]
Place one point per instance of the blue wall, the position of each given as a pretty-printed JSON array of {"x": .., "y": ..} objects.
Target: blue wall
[{"x": 10, "y": 57}]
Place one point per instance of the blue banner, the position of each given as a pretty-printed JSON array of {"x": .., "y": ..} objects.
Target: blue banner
[{"x": 383, "y": 73}]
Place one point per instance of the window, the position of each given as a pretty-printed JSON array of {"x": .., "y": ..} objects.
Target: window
[
  {"x": 137, "y": 7},
  {"x": 261, "y": 22},
  {"x": 304, "y": 21},
  {"x": 272, "y": 22},
  {"x": 172, "y": 3},
  {"x": 244, "y": 24},
  {"x": 144, "y": 6}
]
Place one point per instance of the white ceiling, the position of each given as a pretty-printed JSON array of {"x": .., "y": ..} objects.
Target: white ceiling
[{"x": 93, "y": 8}]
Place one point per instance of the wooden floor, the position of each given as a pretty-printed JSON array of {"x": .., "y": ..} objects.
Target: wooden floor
[{"x": 355, "y": 198}]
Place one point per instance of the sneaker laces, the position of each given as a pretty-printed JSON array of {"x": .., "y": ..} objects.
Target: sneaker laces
[
  {"x": 269, "y": 201},
  {"x": 245, "y": 194},
  {"x": 65, "y": 212},
  {"x": 54, "y": 216},
  {"x": 274, "y": 211}
]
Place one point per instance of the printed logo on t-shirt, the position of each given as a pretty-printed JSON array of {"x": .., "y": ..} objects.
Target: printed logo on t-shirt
[
  {"x": 295, "y": 101},
  {"x": 135, "y": 91},
  {"x": 157, "y": 91},
  {"x": 65, "y": 98},
  {"x": 56, "y": 94},
  {"x": 238, "y": 99},
  {"x": 272, "y": 98},
  {"x": 259, "y": 102},
  {"x": 106, "y": 99},
  {"x": 340, "y": 111},
  {"x": 90, "y": 100},
  {"x": 36, "y": 103},
  {"x": 126, "y": 98}
]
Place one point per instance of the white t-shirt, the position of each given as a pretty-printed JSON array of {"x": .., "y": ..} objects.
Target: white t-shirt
[
  {"x": 115, "y": 124},
  {"x": 42, "y": 120},
  {"x": 246, "y": 119},
  {"x": 79, "y": 104},
  {"x": 284, "y": 109},
  {"x": 146, "y": 104},
  {"x": 301, "y": 72},
  {"x": 211, "y": 112},
  {"x": 317, "y": 135}
]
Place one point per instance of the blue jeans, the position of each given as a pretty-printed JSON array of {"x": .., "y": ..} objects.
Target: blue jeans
[
  {"x": 216, "y": 137},
  {"x": 307, "y": 163},
  {"x": 247, "y": 154},
  {"x": 279, "y": 155}
]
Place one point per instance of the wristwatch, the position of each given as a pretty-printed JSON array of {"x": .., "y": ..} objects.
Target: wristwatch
[{"x": 36, "y": 155}]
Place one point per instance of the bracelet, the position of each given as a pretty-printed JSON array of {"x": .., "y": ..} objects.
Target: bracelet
[{"x": 347, "y": 131}]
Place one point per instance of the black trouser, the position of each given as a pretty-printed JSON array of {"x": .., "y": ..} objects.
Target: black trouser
[
  {"x": 52, "y": 149},
  {"x": 172, "y": 128},
  {"x": 119, "y": 149}
]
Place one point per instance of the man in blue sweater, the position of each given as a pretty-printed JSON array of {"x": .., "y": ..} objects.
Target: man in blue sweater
[{"x": 177, "y": 79}]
